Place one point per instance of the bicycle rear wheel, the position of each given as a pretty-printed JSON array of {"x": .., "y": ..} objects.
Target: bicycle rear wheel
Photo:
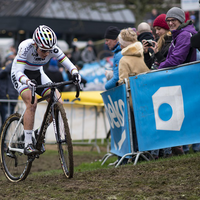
[
  {"x": 15, "y": 164},
  {"x": 64, "y": 141}
]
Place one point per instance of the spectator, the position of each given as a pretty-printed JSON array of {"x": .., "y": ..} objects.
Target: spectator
[
  {"x": 154, "y": 14},
  {"x": 88, "y": 54},
  {"x": 187, "y": 16},
  {"x": 7, "y": 91},
  {"x": 90, "y": 42},
  {"x": 145, "y": 33},
  {"x": 75, "y": 54},
  {"x": 195, "y": 41},
  {"x": 132, "y": 62},
  {"x": 111, "y": 41},
  {"x": 160, "y": 48},
  {"x": 180, "y": 51}
]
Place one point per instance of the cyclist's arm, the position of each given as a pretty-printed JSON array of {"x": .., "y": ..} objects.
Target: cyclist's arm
[
  {"x": 18, "y": 68},
  {"x": 64, "y": 61}
]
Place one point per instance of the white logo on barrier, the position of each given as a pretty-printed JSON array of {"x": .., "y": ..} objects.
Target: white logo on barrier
[
  {"x": 123, "y": 138},
  {"x": 173, "y": 98},
  {"x": 115, "y": 112},
  {"x": 121, "y": 141}
]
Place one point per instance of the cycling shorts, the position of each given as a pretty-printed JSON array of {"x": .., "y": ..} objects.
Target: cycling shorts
[{"x": 38, "y": 75}]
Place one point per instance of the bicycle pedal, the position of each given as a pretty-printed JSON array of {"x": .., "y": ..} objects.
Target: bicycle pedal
[
  {"x": 37, "y": 156},
  {"x": 10, "y": 155}
]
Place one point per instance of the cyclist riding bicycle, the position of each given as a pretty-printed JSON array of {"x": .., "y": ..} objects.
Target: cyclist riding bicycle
[{"x": 27, "y": 65}]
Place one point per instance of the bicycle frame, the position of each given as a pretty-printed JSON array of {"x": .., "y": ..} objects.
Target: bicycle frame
[
  {"x": 46, "y": 118},
  {"x": 13, "y": 135}
]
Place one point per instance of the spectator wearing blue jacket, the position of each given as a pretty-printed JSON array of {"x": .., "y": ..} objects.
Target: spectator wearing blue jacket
[{"x": 111, "y": 40}]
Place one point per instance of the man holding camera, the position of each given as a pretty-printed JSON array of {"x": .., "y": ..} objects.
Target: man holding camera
[{"x": 144, "y": 33}]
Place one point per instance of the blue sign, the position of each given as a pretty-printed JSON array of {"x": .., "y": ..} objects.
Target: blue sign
[
  {"x": 115, "y": 103},
  {"x": 166, "y": 106},
  {"x": 94, "y": 73}
]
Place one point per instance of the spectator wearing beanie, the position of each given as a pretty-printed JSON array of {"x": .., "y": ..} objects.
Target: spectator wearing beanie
[
  {"x": 180, "y": 51},
  {"x": 161, "y": 47},
  {"x": 111, "y": 40}
]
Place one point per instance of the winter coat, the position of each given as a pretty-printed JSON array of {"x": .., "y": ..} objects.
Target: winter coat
[
  {"x": 156, "y": 58},
  {"x": 7, "y": 90},
  {"x": 180, "y": 50},
  {"x": 116, "y": 58},
  {"x": 132, "y": 62}
]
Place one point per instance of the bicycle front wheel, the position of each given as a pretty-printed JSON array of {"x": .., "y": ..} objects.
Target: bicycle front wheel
[
  {"x": 15, "y": 164},
  {"x": 64, "y": 141}
]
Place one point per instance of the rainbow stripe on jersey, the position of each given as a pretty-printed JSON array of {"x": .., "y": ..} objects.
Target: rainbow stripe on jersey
[
  {"x": 25, "y": 62},
  {"x": 62, "y": 59}
]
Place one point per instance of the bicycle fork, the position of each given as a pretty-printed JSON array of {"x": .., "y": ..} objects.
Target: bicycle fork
[{"x": 13, "y": 135}]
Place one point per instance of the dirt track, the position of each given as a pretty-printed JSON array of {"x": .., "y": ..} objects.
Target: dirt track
[{"x": 168, "y": 179}]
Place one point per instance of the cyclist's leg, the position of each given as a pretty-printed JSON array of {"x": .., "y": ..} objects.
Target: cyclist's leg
[
  {"x": 28, "y": 120},
  {"x": 30, "y": 110}
]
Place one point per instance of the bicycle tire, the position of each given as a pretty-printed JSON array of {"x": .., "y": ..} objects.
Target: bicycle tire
[
  {"x": 64, "y": 141},
  {"x": 15, "y": 165}
]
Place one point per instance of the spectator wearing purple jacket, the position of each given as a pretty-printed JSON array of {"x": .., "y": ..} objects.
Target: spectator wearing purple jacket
[{"x": 180, "y": 50}]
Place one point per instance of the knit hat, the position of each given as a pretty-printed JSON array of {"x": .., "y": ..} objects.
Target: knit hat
[
  {"x": 160, "y": 22},
  {"x": 112, "y": 32},
  {"x": 177, "y": 13}
]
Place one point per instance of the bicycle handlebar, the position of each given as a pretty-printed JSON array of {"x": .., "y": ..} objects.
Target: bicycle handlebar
[{"x": 55, "y": 85}]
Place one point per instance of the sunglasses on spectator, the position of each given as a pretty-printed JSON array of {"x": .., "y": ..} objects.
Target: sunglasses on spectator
[{"x": 171, "y": 20}]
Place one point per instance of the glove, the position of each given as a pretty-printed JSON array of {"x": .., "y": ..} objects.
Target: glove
[
  {"x": 31, "y": 84},
  {"x": 76, "y": 77}
]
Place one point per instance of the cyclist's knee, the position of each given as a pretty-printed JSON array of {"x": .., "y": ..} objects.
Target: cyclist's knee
[
  {"x": 61, "y": 101},
  {"x": 31, "y": 107}
]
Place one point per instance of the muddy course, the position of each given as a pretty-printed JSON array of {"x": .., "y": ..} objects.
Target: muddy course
[{"x": 172, "y": 178}]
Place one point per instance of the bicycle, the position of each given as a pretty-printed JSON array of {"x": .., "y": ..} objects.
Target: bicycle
[{"x": 15, "y": 165}]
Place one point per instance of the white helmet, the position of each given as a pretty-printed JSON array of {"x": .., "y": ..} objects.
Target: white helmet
[{"x": 44, "y": 37}]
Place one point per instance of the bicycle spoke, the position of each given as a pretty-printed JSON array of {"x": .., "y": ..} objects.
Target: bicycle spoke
[
  {"x": 64, "y": 142},
  {"x": 15, "y": 165}
]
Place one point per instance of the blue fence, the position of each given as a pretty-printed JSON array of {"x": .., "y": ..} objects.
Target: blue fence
[{"x": 165, "y": 106}]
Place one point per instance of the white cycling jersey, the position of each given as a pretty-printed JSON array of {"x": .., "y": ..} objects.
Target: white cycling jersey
[{"x": 28, "y": 59}]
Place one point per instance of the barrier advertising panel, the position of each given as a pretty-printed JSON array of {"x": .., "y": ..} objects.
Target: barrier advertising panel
[
  {"x": 166, "y": 106},
  {"x": 115, "y": 104}
]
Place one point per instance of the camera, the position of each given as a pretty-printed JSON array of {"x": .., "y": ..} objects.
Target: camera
[{"x": 150, "y": 43}]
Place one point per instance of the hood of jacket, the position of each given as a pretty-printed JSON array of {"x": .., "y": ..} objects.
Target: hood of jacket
[
  {"x": 135, "y": 49},
  {"x": 188, "y": 26}
]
